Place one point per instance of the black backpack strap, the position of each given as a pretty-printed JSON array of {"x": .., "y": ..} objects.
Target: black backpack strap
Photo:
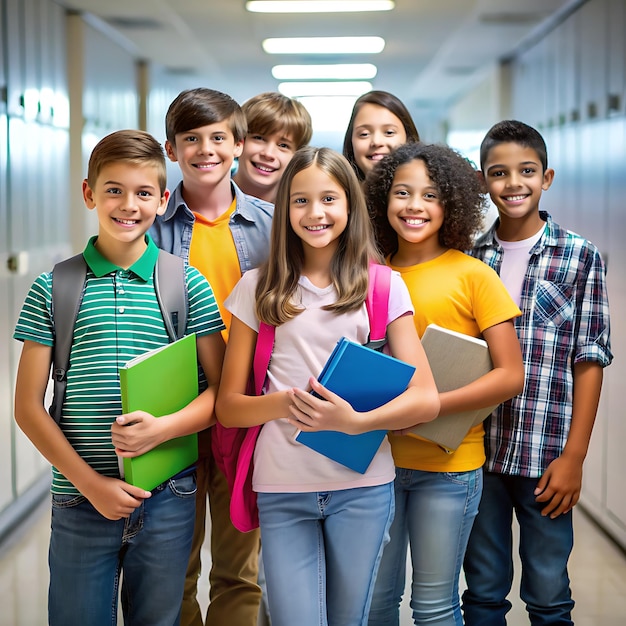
[
  {"x": 68, "y": 286},
  {"x": 170, "y": 285}
]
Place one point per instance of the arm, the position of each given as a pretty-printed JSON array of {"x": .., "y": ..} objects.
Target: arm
[
  {"x": 113, "y": 498},
  {"x": 504, "y": 381},
  {"x": 561, "y": 483},
  {"x": 137, "y": 432},
  {"x": 234, "y": 407},
  {"x": 419, "y": 403}
]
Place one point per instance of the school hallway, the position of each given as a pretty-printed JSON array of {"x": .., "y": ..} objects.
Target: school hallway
[
  {"x": 597, "y": 570},
  {"x": 71, "y": 71}
]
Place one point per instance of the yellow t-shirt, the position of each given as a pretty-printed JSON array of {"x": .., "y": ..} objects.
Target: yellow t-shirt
[
  {"x": 213, "y": 252},
  {"x": 458, "y": 292}
]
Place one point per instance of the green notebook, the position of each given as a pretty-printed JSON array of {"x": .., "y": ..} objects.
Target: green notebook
[{"x": 160, "y": 382}]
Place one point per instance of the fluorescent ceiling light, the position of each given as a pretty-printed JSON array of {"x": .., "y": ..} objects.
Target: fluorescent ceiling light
[
  {"x": 323, "y": 45},
  {"x": 349, "y": 88},
  {"x": 329, "y": 115},
  {"x": 319, "y": 6},
  {"x": 331, "y": 71}
]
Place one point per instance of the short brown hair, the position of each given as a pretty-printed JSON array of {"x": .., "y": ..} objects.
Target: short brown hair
[
  {"x": 135, "y": 147},
  {"x": 513, "y": 131},
  {"x": 272, "y": 112},
  {"x": 198, "y": 107}
]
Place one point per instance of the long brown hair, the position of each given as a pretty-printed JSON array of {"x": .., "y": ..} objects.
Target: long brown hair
[
  {"x": 387, "y": 101},
  {"x": 279, "y": 276}
]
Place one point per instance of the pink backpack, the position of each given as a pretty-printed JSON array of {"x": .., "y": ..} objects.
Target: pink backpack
[{"x": 233, "y": 448}]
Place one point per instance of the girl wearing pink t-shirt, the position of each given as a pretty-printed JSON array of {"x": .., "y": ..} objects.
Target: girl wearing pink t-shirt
[{"x": 323, "y": 526}]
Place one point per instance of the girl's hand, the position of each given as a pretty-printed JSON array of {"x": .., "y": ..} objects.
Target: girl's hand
[
  {"x": 329, "y": 412},
  {"x": 135, "y": 433}
]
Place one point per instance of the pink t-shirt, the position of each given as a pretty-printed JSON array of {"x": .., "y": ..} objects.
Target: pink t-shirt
[{"x": 302, "y": 345}]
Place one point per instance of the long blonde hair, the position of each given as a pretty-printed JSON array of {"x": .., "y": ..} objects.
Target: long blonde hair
[{"x": 279, "y": 276}]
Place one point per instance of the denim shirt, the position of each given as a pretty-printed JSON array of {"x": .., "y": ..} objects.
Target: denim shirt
[{"x": 250, "y": 226}]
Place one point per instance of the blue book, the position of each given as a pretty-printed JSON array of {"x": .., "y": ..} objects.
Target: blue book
[{"x": 366, "y": 379}]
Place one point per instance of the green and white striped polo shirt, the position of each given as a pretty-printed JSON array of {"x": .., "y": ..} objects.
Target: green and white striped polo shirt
[{"x": 119, "y": 319}]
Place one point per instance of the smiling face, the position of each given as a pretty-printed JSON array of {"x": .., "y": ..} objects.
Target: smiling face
[
  {"x": 515, "y": 181},
  {"x": 262, "y": 162},
  {"x": 205, "y": 154},
  {"x": 318, "y": 209},
  {"x": 377, "y": 131},
  {"x": 127, "y": 198},
  {"x": 414, "y": 209}
]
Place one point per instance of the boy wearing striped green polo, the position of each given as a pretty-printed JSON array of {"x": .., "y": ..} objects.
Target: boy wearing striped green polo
[{"x": 101, "y": 525}]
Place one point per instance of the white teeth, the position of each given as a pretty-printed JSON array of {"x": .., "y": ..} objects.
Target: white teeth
[
  {"x": 414, "y": 222},
  {"x": 322, "y": 227},
  {"x": 515, "y": 198},
  {"x": 265, "y": 169},
  {"x": 129, "y": 222}
]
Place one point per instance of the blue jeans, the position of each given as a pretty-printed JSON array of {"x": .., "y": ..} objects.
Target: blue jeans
[
  {"x": 321, "y": 552},
  {"x": 544, "y": 547},
  {"x": 89, "y": 552},
  {"x": 434, "y": 514}
]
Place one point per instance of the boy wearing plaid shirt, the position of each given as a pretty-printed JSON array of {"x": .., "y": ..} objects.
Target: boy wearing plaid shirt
[{"x": 537, "y": 441}]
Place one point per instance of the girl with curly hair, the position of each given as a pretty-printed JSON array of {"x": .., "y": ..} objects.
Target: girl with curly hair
[{"x": 426, "y": 203}]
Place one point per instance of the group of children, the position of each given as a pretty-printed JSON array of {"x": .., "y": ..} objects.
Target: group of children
[{"x": 288, "y": 241}]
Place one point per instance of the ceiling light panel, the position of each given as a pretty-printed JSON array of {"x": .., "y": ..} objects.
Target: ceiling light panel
[
  {"x": 330, "y": 71},
  {"x": 335, "y": 88},
  {"x": 319, "y": 6},
  {"x": 324, "y": 45}
]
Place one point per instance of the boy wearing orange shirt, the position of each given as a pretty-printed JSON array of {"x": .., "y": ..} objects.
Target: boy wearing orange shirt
[{"x": 223, "y": 232}]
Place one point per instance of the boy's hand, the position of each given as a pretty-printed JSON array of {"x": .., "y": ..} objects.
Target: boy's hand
[
  {"x": 135, "y": 433},
  {"x": 114, "y": 498},
  {"x": 560, "y": 486}
]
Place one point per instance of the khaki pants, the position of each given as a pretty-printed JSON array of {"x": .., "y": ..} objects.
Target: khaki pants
[{"x": 234, "y": 596}]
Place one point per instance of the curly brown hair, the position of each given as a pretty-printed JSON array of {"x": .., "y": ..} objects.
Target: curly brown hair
[{"x": 459, "y": 186}]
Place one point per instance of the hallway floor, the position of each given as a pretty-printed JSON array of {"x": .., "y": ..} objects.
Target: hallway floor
[{"x": 597, "y": 569}]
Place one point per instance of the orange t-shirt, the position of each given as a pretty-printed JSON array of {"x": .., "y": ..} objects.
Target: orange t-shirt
[{"x": 213, "y": 252}]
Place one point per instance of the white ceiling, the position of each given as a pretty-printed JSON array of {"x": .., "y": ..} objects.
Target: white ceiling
[{"x": 435, "y": 49}]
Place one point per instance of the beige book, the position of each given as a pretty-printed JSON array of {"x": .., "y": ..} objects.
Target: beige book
[{"x": 455, "y": 360}]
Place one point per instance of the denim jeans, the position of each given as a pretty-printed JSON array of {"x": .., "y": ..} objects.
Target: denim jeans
[
  {"x": 321, "y": 552},
  {"x": 434, "y": 514},
  {"x": 151, "y": 548},
  {"x": 544, "y": 547}
]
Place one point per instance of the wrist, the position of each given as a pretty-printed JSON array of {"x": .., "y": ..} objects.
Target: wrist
[{"x": 574, "y": 453}]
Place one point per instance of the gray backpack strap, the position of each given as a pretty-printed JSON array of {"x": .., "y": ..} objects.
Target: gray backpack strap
[
  {"x": 68, "y": 285},
  {"x": 170, "y": 285}
]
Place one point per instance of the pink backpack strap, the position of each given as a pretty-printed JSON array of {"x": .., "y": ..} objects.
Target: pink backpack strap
[
  {"x": 377, "y": 303},
  {"x": 243, "y": 508},
  {"x": 262, "y": 355}
]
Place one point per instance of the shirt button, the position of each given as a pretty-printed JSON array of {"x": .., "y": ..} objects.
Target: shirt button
[{"x": 121, "y": 309}]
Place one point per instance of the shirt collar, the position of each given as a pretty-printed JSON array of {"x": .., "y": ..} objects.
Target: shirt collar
[
  {"x": 143, "y": 267},
  {"x": 549, "y": 236},
  {"x": 177, "y": 203}
]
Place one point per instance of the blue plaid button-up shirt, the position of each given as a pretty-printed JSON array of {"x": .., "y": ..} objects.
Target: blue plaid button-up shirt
[{"x": 565, "y": 320}]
